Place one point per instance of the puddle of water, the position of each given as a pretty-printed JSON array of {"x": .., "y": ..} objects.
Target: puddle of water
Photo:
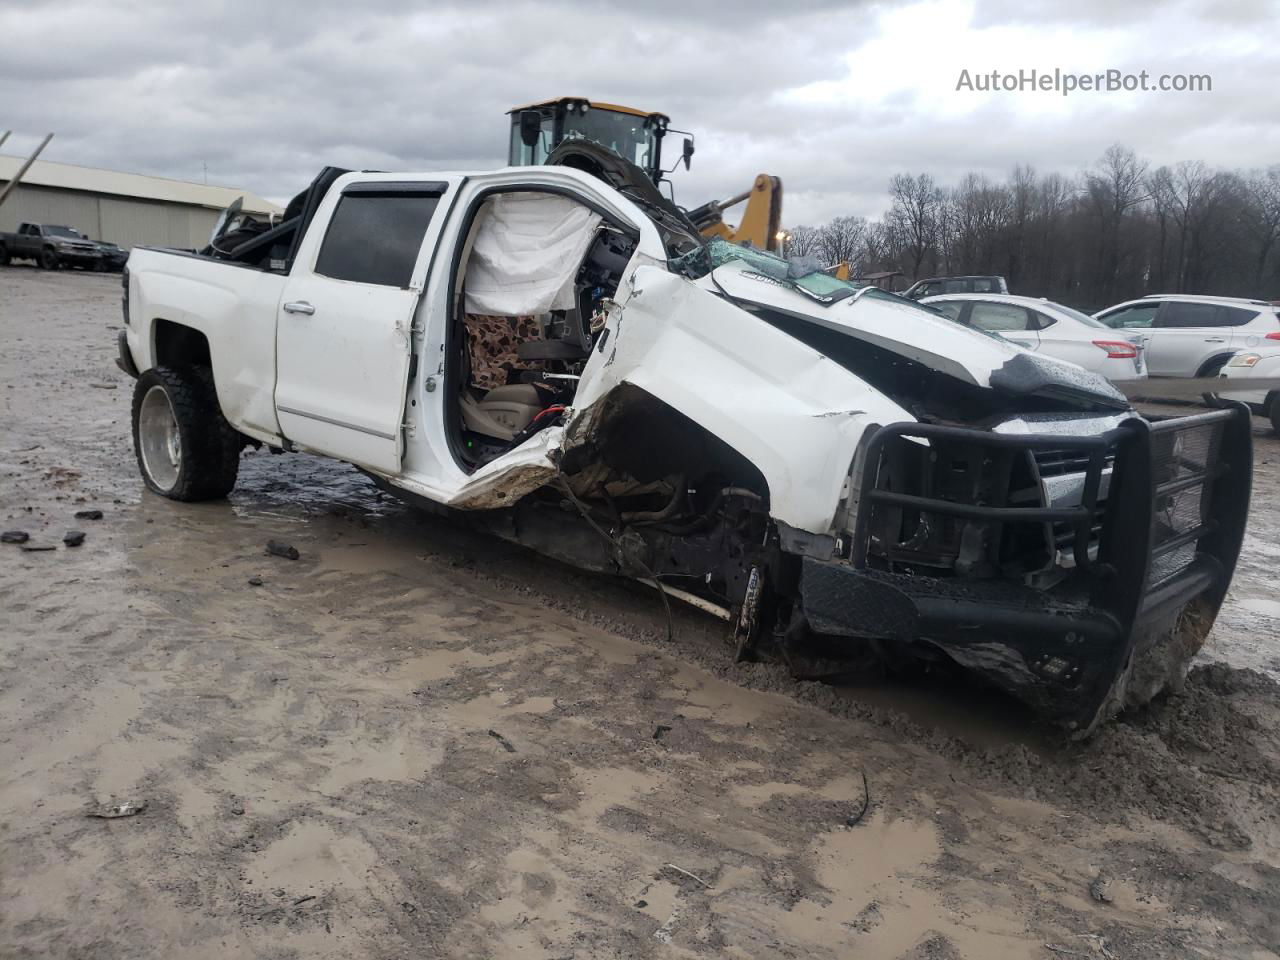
[
  {"x": 1261, "y": 606},
  {"x": 303, "y": 484}
]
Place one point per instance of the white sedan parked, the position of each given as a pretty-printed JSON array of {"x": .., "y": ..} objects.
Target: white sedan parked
[{"x": 1051, "y": 329}]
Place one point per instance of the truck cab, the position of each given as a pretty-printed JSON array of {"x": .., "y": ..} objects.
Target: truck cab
[{"x": 376, "y": 277}]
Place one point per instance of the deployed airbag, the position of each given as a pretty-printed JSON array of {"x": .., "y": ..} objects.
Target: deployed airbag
[{"x": 526, "y": 254}]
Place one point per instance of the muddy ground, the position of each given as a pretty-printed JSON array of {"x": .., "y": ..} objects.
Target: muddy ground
[{"x": 415, "y": 741}]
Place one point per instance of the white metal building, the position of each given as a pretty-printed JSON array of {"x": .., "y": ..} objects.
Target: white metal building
[{"x": 124, "y": 208}]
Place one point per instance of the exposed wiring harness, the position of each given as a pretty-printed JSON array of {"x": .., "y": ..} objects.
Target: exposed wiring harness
[
  {"x": 543, "y": 418},
  {"x": 620, "y": 554}
]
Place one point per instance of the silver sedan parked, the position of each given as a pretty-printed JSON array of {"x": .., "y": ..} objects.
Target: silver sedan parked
[{"x": 1051, "y": 329}]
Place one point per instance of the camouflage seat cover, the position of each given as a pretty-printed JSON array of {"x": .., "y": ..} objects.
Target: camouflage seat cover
[{"x": 491, "y": 345}]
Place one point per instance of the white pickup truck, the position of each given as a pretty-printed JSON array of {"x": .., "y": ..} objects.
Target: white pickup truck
[{"x": 570, "y": 364}]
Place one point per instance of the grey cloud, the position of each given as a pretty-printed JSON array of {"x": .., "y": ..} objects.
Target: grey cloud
[{"x": 266, "y": 95}]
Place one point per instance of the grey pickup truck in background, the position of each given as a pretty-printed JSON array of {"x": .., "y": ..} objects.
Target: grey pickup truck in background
[{"x": 51, "y": 247}]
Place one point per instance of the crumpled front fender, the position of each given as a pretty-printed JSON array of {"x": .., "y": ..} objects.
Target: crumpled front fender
[{"x": 796, "y": 415}]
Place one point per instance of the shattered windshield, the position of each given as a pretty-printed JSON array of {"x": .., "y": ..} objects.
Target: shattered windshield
[{"x": 804, "y": 274}]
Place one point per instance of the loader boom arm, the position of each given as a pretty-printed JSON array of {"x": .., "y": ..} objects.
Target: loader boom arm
[{"x": 761, "y": 220}]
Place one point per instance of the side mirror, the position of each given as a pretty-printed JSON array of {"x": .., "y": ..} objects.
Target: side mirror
[
  {"x": 530, "y": 127},
  {"x": 687, "y": 155}
]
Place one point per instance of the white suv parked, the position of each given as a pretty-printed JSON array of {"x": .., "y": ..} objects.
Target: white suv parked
[
  {"x": 1258, "y": 371},
  {"x": 1193, "y": 336}
]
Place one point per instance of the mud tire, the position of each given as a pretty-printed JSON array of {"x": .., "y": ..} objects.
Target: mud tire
[{"x": 188, "y": 452}]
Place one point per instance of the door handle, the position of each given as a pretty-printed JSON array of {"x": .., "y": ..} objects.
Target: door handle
[
  {"x": 1215, "y": 339},
  {"x": 299, "y": 306}
]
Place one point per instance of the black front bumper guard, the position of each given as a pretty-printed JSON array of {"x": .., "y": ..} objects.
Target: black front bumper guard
[{"x": 1139, "y": 603}]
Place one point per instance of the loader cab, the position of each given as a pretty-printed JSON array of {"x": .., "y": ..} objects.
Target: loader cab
[{"x": 538, "y": 128}]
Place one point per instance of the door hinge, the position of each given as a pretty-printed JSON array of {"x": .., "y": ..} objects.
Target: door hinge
[{"x": 409, "y": 429}]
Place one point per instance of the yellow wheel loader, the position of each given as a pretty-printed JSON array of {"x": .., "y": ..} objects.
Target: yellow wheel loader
[{"x": 549, "y": 132}]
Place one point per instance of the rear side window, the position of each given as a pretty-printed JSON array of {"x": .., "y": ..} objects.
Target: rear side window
[
  {"x": 998, "y": 317},
  {"x": 375, "y": 237},
  {"x": 1177, "y": 314},
  {"x": 951, "y": 308},
  {"x": 1139, "y": 315},
  {"x": 1237, "y": 316},
  {"x": 984, "y": 285},
  {"x": 1079, "y": 317}
]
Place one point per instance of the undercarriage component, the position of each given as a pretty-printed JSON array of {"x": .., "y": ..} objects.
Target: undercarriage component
[{"x": 747, "y": 626}]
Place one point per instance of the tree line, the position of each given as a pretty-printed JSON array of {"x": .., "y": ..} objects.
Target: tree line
[{"x": 1118, "y": 230}]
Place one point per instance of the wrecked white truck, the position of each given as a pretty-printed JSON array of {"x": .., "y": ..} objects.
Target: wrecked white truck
[{"x": 568, "y": 363}]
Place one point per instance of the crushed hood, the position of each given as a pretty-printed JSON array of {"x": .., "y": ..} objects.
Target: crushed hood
[{"x": 752, "y": 277}]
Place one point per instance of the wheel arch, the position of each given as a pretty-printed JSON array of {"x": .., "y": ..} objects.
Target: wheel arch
[
  {"x": 1216, "y": 361},
  {"x": 178, "y": 345},
  {"x": 643, "y": 435}
]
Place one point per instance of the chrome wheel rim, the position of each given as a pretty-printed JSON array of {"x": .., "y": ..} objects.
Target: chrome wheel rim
[{"x": 158, "y": 440}]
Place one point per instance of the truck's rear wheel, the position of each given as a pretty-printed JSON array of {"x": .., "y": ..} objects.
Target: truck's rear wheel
[
  {"x": 4, "y": 255},
  {"x": 186, "y": 449}
]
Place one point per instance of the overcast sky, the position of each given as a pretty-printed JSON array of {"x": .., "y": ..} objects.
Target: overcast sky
[{"x": 832, "y": 97}]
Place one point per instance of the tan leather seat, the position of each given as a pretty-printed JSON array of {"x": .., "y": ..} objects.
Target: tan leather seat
[{"x": 502, "y": 412}]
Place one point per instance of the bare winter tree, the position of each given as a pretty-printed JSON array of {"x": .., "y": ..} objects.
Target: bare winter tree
[
  {"x": 914, "y": 216},
  {"x": 803, "y": 241},
  {"x": 843, "y": 239},
  {"x": 1261, "y": 216},
  {"x": 1052, "y": 253},
  {"x": 877, "y": 252},
  {"x": 1192, "y": 199},
  {"x": 981, "y": 211},
  {"x": 1022, "y": 188},
  {"x": 1114, "y": 189}
]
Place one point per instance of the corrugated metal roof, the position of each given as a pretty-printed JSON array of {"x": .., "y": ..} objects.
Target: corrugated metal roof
[{"x": 69, "y": 176}]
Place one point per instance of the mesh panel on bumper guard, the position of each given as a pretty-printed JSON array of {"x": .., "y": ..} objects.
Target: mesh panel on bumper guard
[{"x": 1151, "y": 566}]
